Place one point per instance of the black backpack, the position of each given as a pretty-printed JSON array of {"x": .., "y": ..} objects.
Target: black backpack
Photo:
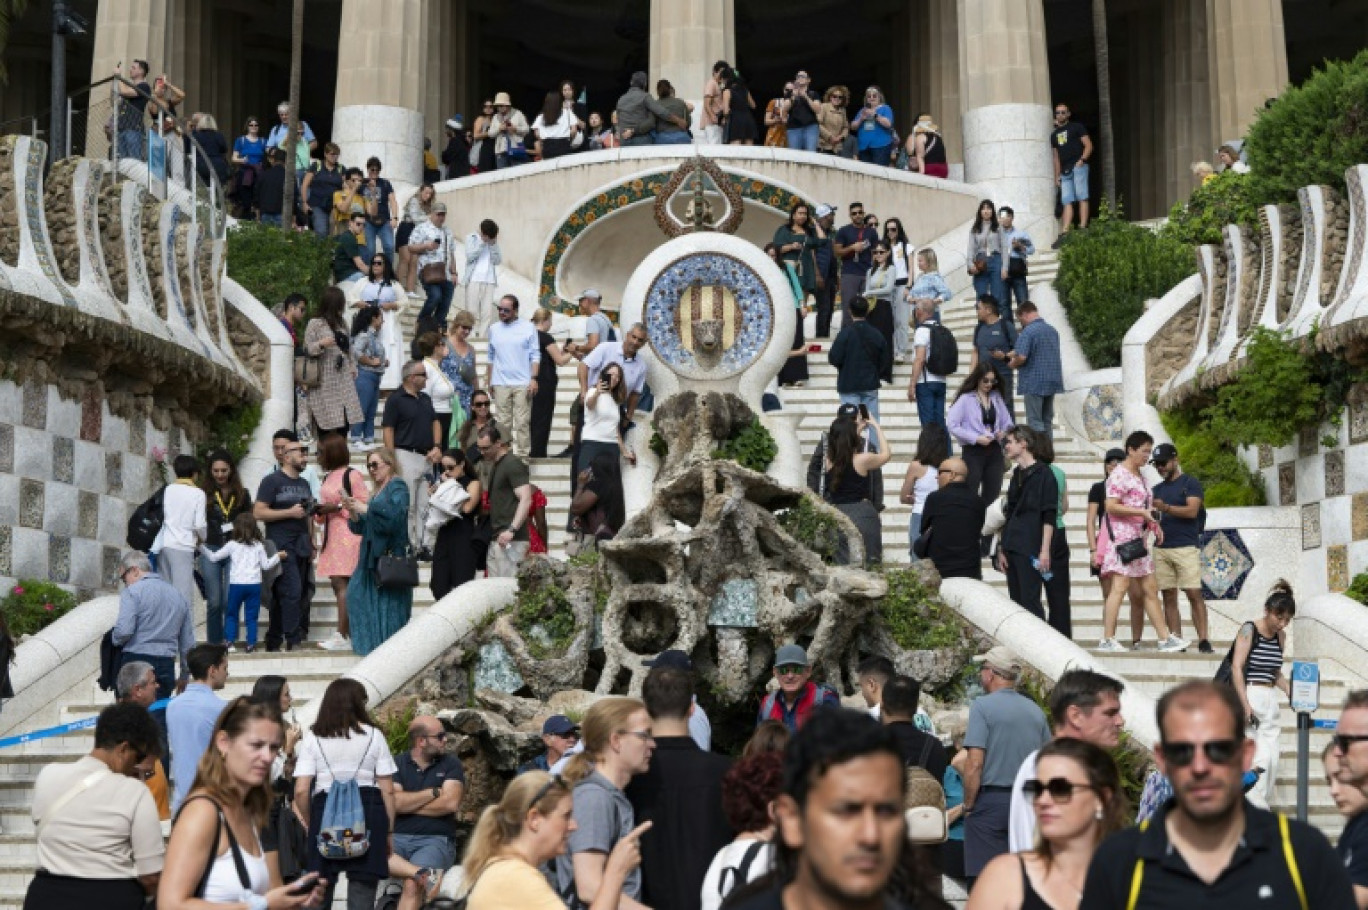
[
  {"x": 146, "y": 521},
  {"x": 943, "y": 357}
]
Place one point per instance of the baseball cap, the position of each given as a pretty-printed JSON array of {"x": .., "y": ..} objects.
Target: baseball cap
[
  {"x": 1165, "y": 451},
  {"x": 455, "y": 123},
  {"x": 673, "y": 658},
  {"x": 1114, "y": 455},
  {"x": 824, "y": 210},
  {"x": 1000, "y": 658},
  {"x": 591, "y": 292},
  {"x": 438, "y": 207},
  {"x": 848, "y": 410},
  {"x": 790, "y": 654},
  {"x": 559, "y": 724}
]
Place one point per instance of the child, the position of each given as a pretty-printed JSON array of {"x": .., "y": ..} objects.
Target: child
[{"x": 244, "y": 577}]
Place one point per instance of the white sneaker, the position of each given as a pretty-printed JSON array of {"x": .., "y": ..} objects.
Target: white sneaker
[
  {"x": 1173, "y": 643},
  {"x": 232, "y": 649},
  {"x": 1135, "y": 646},
  {"x": 415, "y": 295},
  {"x": 1109, "y": 645},
  {"x": 336, "y": 643},
  {"x": 356, "y": 447}
]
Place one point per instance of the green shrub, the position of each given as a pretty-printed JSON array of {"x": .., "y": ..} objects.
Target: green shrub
[
  {"x": 813, "y": 528},
  {"x": 231, "y": 429},
  {"x": 915, "y": 617},
  {"x": 1212, "y": 460},
  {"x": 1226, "y": 199},
  {"x": 1312, "y": 133},
  {"x": 394, "y": 723},
  {"x": 272, "y": 264},
  {"x": 1105, "y": 275},
  {"x": 544, "y": 619},
  {"x": 752, "y": 447},
  {"x": 1358, "y": 588},
  {"x": 32, "y": 605}
]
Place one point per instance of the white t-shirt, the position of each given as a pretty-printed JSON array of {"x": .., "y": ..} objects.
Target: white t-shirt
[
  {"x": 438, "y": 388},
  {"x": 729, "y": 857},
  {"x": 922, "y": 339},
  {"x": 558, "y": 130},
  {"x": 248, "y": 561},
  {"x": 184, "y": 524},
  {"x": 601, "y": 420},
  {"x": 1021, "y": 826},
  {"x": 364, "y": 756},
  {"x": 482, "y": 272}
]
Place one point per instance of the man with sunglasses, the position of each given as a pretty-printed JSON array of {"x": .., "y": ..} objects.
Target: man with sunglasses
[
  {"x": 560, "y": 735},
  {"x": 351, "y": 252},
  {"x": 797, "y": 696},
  {"x": 1348, "y": 757},
  {"x": 1071, "y": 147},
  {"x": 1177, "y": 557},
  {"x": 511, "y": 372},
  {"x": 411, "y": 430},
  {"x": 854, "y": 246},
  {"x": 429, "y": 782},
  {"x": 282, "y": 504},
  {"x": 1209, "y": 847}
]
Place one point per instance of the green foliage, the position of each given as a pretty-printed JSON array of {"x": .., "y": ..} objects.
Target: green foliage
[
  {"x": 32, "y": 605},
  {"x": 395, "y": 724},
  {"x": 545, "y": 620},
  {"x": 272, "y": 264},
  {"x": 916, "y": 617},
  {"x": 1213, "y": 461},
  {"x": 1358, "y": 588},
  {"x": 1105, "y": 275},
  {"x": 751, "y": 447},
  {"x": 232, "y": 429},
  {"x": 1312, "y": 133},
  {"x": 1226, "y": 199},
  {"x": 658, "y": 445},
  {"x": 813, "y": 528}
]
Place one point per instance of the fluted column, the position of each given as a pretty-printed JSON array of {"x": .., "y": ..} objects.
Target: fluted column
[
  {"x": 1246, "y": 61},
  {"x": 381, "y": 73},
  {"x": 943, "y": 71},
  {"x": 1186, "y": 88},
  {"x": 687, "y": 38},
  {"x": 128, "y": 30},
  {"x": 1005, "y": 86}
]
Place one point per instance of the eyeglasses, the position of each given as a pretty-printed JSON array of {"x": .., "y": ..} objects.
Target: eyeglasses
[
  {"x": 790, "y": 670},
  {"x": 252, "y": 124},
  {"x": 373, "y": 465},
  {"x": 449, "y": 467},
  {"x": 1218, "y": 751},
  {"x": 949, "y": 471},
  {"x": 838, "y": 97},
  {"x": 644, "y": 735},
  {"x": 1343, "y": 741},
  {"x": 437, "y": 736},
  {"x": 990, "y": 383},
  {"x": 504, "y": 311},
  {"x": 479, "y": 404},
  {"x": 123, "y": 576},
  {"x": 377, "y": 262},
  {"x": 1061, "y": 789},
  {"x": 555, "y": 781}
]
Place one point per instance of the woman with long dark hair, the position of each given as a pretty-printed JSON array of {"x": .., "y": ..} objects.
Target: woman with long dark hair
[
  {"x": 555, "y": 127},
  {"x": 920, "y": 481},
  {"x": 901, "y": 257},
  {"x": 879, "y": 290},
  {"x": 602, "y": 429},
  {"x": 1025, "y": 554},
  {"x": 544, "y": 402},
  {"x": 453, "y": 553},
  {"x": 738, "y": 107},
  {"x": 1257, "y": 677},
  {"x": 225, "y": 498},
  {"x": 380, "y": 289},
  {"x": 341, "y": 549},
  {"x": 847, "y": 480},
  {"x": 987, "y": 256},
  {"x": 333, "y": 403},
  {"x": 344, "y": 744},
  {"x": 797, "y": 242},
  {"x": 978, "y": 419},
  {"x": 795, "y": 369}
]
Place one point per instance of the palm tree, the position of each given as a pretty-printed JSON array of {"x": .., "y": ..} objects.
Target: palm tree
[
  {"x": 292, "y": 136},
  {"x": 11, "y": 11},
  {"x": 1104, "y": 114}
]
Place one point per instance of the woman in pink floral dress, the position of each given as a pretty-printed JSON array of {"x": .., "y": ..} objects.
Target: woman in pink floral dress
[
  {"x": 1128, "y": 516},
  {"x": 341, "y": 548}
]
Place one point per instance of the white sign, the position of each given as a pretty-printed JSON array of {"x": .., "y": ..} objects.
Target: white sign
[{"x": 1305, "y": 686}]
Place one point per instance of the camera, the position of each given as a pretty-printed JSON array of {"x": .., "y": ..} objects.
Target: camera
[{"x": 310, "y": 507}]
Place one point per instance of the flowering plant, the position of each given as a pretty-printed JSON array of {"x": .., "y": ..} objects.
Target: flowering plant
[
  {"x": 157, "y": 456},
  {"x": 32, "y": 605}
]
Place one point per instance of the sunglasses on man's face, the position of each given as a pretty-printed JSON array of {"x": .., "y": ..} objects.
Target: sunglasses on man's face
[
  {"x": 1218, "y": 752},
  {"x": 1344, "y": 741}
]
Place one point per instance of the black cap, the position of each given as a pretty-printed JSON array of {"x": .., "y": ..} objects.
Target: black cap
[
  {"x": 848, "y": 410},
  {"x": 1114, "y": 455},
  {"x": 1165, "y": 451},
  {"x": 672, "y": 658}
]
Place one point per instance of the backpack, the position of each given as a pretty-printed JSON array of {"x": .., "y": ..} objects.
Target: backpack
[
  {"x": 942, "y": 358},
  {"x": 342, "y": 833},
  {"x": 925, "y": 803},
  {"x": 146, "y": 521}
]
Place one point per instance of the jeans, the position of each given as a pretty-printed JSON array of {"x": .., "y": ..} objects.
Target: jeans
[
  {"x": 289, "y": 602},
  {"x": 913, "y": 532},
  {"x": 1040, "y": 413},
  {"x": 643, "y": 139},
  {"x": 368, "y": 391},
  {"x": 385, "y": 234},
  {"x": 869, "y": 399},
  {"x": 320, "y": 220},
  {"x": 439, "y": 296},
  {"x": 901, "y": 316},
  {"x": 433, "y": 851},
  {"x": 989, "y": 281},
  {"x": 502, "y": 161},
  {"x": 930, "y": 403},
  {"x": 1016, "y": 289},
  {"x": 246, "y": 598},
  {"x": 215, "y": 575},
  {"x": 803, "y": 138},
  {"x": 876, "y": 155},
  {"x": 272, "y": 220},
  {"x": 1073, "y": 186},
  {"x": 674, "y": 137},
  {"x": 133, "y": 144}
]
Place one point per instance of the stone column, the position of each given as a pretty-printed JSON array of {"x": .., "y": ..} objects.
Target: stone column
[
  {"x": 687, "y": 38},
  {"x": 126, "y": 30},
  {"x": 1246, "y": 61},
  {"x": 382, "y": 55},
  {"x": 1005, "y": 87},
  {"x": 1186, "y": 93},
  {"x": 943, "y": 78}
]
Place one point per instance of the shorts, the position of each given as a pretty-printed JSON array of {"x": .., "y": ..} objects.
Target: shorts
[
  {"x": 1073, "y": 186},
  {"x": 1178, "y": 567},
  {"x": 431, "y": 851}
]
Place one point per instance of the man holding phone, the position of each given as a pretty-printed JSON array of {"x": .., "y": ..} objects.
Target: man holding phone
[{"x": 854, "y": 247}]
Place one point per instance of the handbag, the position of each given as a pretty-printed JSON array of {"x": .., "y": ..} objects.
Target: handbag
[
  {"x": 433, "y": 273},
  {"x": 1129, "y": 551},
  {"x": 1225, "y": 673},
  {"x": 397, "y": 570},
  {"x": 308, "y": 371}
]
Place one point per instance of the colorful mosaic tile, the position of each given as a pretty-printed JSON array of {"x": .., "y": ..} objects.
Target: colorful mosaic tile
[
  {"x": 35, "y": 214},
  {"x": 1308, "y": 441},
  {"x": 1358, "y": 414},
  {"x": 1102, "y": 413},
  {"x": 1226, "y": 564},
  {"x": 494, "y": 669},
  {"x": 670, "y": 328},
  {"x": 638, "y": 190},
  {"x": 1337, "y": 567},
  {"x": 736, "y": 605},
  {"x": 1334, "y": 473},
  {"x": 1265, "y": 457},
  {"x": 1287, "y": 484},
  {"x": 1311, "y": 525}
]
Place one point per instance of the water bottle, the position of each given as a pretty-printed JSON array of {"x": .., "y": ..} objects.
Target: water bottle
[{"x": 1035, "y": 564}]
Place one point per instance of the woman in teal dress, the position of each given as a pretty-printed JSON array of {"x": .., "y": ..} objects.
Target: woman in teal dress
[{"x": 376, "y": 613}]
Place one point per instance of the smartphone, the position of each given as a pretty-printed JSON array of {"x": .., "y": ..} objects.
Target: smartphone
[
  {"x": 305, "y": 884},
  {"x": 814, "y": 349}
]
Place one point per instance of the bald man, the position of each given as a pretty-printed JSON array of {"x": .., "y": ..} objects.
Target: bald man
[
  {"x": 428, "y": 785},
  {"x": 956, "y": 514}
]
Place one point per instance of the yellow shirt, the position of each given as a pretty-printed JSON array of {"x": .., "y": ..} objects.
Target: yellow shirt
[
  {"x": 341, "y": 214},
  {"x": 509, "y": 883}
]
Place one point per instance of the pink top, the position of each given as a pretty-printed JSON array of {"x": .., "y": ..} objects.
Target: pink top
[
  {"x": 1130, "y": 489},
  {"x": 341, "y": 548}
]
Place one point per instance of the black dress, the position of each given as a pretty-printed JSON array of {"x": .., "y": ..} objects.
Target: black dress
[
  {"x": 740, "y": 124},
  {"x": 453, "y": 555},
  {"x": 544, "y": 402}
]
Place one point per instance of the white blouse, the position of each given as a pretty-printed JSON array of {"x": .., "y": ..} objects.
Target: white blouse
[
  {"x": 363, "y": 756},
  {"x": 439, "y": 388}
]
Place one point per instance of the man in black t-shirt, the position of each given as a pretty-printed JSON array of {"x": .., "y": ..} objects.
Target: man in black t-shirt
[
  {"x": 854, "y": 246},
  {"x": 1178, "y": 559},
  {"x": 428, "y": 785},
  {"x": 270, "y": 190},
  {"x": 132, "y": 110},
  {"x": 1072, "y": 148},
  {"x": 283, "y": 501}
]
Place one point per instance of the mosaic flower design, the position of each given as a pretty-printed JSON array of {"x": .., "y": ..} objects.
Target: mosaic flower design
[{"x": 752, "y": 327}]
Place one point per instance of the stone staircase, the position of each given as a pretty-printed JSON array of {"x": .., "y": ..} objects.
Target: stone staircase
[{"x": 310, "y": 670}]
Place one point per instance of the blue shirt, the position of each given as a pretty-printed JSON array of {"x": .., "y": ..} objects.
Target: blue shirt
[
  {"x": 874, "y": 135},
  {"x": 1027, "y": 247},
  {"x": 1179, "y": 532},
  {"x": 513, "y": 352},
  {"x": 1042, "y": 373},
  {"x": 280, "y": 132},
  {"x": 930, "y": 285},
  {"x": 190, "y": 720},
  {"x": 154, "y": 620},
  {"x": 954, "y": 796}
]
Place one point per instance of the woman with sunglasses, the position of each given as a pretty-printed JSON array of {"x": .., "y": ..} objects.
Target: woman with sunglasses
[
  {"x": 874, "y": 126},
  {"x": 1256, "y": 673},
  {"x": 978, "y": 419},
  {"x": 380, "y": 289},
  {"x": 879, "y": 288},
  {"x": 453, "y": 556},
  {"x": 249, "y": 154},
  {"x": 376, "y": 613},
  {"x": 480, "y": 418},
  {"x": 987, "y": 254},
  {"x": 833, "y": 126},
  {"x": 1078, "y": 802},
  {"x": 900, "y": 257},
  {"x": 529, "y": 827},
  {"x": 459, "y": 363}
]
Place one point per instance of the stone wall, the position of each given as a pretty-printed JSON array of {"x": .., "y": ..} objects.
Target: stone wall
[{"x": 1171, "y": 347}]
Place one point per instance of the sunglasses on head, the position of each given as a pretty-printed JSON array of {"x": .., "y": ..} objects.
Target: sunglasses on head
[
  {"x": 1218, "y": 751},
  {"x": 555, "y": 781},
  {"x": 1061, "y": 789}
]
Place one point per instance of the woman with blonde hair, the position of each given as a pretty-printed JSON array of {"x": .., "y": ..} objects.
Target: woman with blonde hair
[
  {"x": 376, "y": 612},
  {"x": 618, "y": 744},
  {"x": 833, "y": 126},
  {"x": 529, "y": 827},
  {"x": 227, "y": 806}
]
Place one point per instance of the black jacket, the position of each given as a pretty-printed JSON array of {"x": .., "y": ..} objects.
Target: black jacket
[
  {"x": 1032, "y": 503},
  {"x": 913, "y": 742},
  {"x": 860, "y": 356},
  {"x": 956, "y": 513}
]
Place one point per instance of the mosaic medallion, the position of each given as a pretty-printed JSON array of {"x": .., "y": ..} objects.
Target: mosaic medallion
[
  {"x": 708, "y": 315},
  {"x": 1226, "y": 564}
]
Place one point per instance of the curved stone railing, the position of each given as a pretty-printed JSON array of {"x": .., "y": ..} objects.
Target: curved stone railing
[
  {"x": 1336, "y": 627},
  {"x": 52, "y": 662},
  {"x": 1042, "y": 648}
]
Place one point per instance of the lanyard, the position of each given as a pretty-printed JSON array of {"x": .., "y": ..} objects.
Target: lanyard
[{"x": 226, "y": 509}]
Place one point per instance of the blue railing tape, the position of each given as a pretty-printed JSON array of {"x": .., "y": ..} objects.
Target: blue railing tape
[{"x": 84, "y": 723}]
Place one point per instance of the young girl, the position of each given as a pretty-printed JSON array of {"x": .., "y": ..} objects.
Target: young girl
[{"x": 244, "y": 577}]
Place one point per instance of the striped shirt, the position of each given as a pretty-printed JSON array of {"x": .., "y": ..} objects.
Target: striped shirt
[{"x": 1265, "y": 659}]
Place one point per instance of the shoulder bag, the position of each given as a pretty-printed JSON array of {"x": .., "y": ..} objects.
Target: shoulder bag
[
  {"x": 308, "y": 371},
  {"x": 1225, "y": 673},
  {"x": 1131, "y": 550}
]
